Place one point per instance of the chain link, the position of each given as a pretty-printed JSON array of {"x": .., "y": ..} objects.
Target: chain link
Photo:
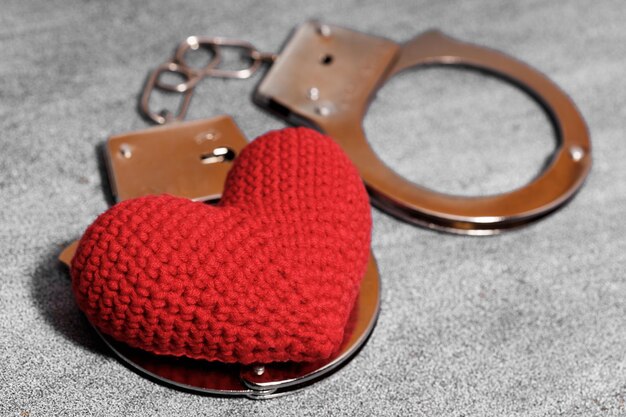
[{"x": 192, "y": 76}]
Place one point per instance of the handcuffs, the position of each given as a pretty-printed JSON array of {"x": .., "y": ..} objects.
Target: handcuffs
[
  {"x": 191, "y": 159},
  {"x": 325, "y": 77}
]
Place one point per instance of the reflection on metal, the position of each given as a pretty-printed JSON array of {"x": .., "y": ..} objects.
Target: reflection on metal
[
  {"x": 259, "y": 381},
  {"x": 191, "y": 75},
  {"x": 354, "y": 66},
  {"x": 187, "y": 159}
]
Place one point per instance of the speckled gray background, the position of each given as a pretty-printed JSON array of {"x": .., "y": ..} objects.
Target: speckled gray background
[{"x": 531, "y": 323}]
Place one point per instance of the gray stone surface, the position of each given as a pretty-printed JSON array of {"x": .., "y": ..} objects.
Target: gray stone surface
[{"x": 531, "y": 323}]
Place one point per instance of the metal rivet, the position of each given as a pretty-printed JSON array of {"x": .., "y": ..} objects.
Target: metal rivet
[
  {"x": 193, "y": 42},
  {"x": 324, "y": 30},
  {"x": 313, "y": 93},
  {"x": 211, "y": 135},
  {"x": 577, "y": 153},
  {"x": 323, "y": 110},
  {"x": 207, "y": 136},
  {"x": 258, "y": 370},
  {"x": 125, "y": 151}
]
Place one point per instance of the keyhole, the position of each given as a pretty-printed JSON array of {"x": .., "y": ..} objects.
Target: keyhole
[
  {"x": 326, "y": 59},
  {"x": 221, "y": 154}
]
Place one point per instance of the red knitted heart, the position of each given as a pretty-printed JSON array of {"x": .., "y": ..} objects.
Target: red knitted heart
[{"x": 269, "y": 274}]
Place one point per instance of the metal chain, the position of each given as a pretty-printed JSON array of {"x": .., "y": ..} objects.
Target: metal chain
[{"x": 192, "y": 76}]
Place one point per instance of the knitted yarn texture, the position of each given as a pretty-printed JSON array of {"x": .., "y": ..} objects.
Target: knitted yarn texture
[{"x": 270, "y": 274}]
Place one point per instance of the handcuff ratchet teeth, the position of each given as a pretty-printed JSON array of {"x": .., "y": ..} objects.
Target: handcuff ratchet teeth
[{"x": 326, "y": 76}]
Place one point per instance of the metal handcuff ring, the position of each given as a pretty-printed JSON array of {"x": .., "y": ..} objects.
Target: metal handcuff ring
[
  {"x": 153, "y": 161},
  {"x": 165, "y": 159},
  {"x": 326, "y": 76},
  {"x": 346, "y": 68}
]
